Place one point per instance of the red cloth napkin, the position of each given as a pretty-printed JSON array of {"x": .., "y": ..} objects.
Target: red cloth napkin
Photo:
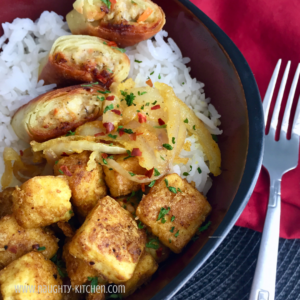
[{"x": 265, "y": 31}]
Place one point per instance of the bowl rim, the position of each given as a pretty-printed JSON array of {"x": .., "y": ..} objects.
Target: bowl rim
[{"x": 253, "y": 159}]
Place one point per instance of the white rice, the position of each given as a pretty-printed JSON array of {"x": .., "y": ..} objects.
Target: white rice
[{"x": 25, "y": 43}]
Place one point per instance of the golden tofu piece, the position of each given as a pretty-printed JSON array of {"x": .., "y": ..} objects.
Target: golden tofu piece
[
  {"x": 41, "y": 201},
  {"x": 16, "y": 241},
  {"x": 6, "y": 202},
  {"x": 118, "y": 184},
  {"x": 78, "y": 270},
  {"x": 111, "y": 239},
  {"x": 87, "y": 186},
  {"x": 66, "y": 228},
  {"x": 142, "y": 274},
  {"x": 157, "y": 249},
  {"x": 173, "y": 210},
  {"x": 28, "y": 273},
  {"x": 96, "y": 296}
]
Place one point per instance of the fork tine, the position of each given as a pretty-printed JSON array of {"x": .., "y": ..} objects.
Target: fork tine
[
  {"x": 270, "y": 91},
  {"x": 287, "y": 112},
  {"x": 296, "y": 123},
  {"x": 274, "y": 120}
]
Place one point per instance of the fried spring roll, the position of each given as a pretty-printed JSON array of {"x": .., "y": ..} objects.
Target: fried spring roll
[
  {"x": 124, "y": 21},
  {"x": 75, "y": 59},
  {"x": 57, "y": 112}
]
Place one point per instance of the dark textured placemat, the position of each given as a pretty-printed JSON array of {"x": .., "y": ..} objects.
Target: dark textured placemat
[{"x": 228, "y": 273}]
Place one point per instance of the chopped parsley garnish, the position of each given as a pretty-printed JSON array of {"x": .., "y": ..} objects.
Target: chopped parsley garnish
[
  {"x": 133, "y": 2},
  {"x": 93, "y": 280},
  {"x": 173, "y": 219},
  {"x": 140, "y": 225},
  {"x": 215, "y": 138},
  {"x": 179, "y": 190},
  {"x": 89, "y": 85},
  {"x": 123, "y": 93},
  {"x": 129, "y": 155},
  {"x": 186, "y": 174},
  {"x": 199, "y": 170},
  {"x": 107, "y": 108},
  {"x": 112, "y": 136},
  {"x": 194, "y": 127},
  {"x": 183, "y": 83},
  {"x": 60, "y": 266},
  {"x": 159, "y": 77},
  {"x": 156, "y": 172},
  {"x": 172, "y": 189},
  {"x": 138, "y": 111},
  {"x": 168, "y": 146},
  {"x": 167, "y": 182},
  {"x": 41, "y": 248},
  {"x": 104, "y": 43},
  {"x": 153, "y": 243},
  {"x": 70, "y": 133},
  {"x": 162, "y": 158},
  {"x": 104, "y": 161},
  {"x": 111, "y": 144},
  {"x": 122, "y": 50},
  {"x": 124, "y": 206},
  {"x": 129, "y": 99},
  {"x": 109, "y": 70},
  {"x": 116, "y": 296},
  {"x": 148, "y": 103},
  {"x": 60, "y": 171},
  {"x": 152, "y": 183},
  {"x": 163, "y": 220},
  {"x": 56, "y": 162},
  {"x": 138, "y": 61},
  {"x": 70, "y": 212},
  {"x": 131, "y": 195},
  {"x": 141, "y": 93},
  {"x": 186, "y": 120},
  {"x": 131, "y": 174},
  {"x": 170, "y": 241},
  {"x": 120, "y": 127},
  {"x": 176, "y": 234},
  {"x": 173, "y": 140},
  {"x": 204, "y": 227},
  {"x": 161, "y": 126},
  {"x": 129, "y": 131},
  {"x": 101, "y": 98},
  {"x": 152, "y": 73},
  {"x": 162, "y": 213},
  {"x": 154, "y": 102},
  {"x": 104, "y": 92},
  {"x": 142, "y": 107},
  {"x": 172, "y": 229}
]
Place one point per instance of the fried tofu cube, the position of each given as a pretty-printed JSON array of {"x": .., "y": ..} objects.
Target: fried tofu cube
[
  {"x": 111, "y": 239},
  {"x": 41, "y": 201},
  {"x": 78, "y": 270},
  {"x": 31, "y": 273},
  {"x": 6, "y": 202},
  {"x": 15, "y": 241},
  {"x": 142, "y": 274},
  {"x": 118, "y": 184},
  {"x": 173, "y": 210},
  {"x": 87, "y": 186}
]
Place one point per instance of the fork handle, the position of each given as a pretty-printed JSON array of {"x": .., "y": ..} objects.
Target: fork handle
[{"x": 263, "y": 285}]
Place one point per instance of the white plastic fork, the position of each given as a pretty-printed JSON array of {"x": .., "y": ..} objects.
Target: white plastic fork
[{"x": 279, "y": 157}]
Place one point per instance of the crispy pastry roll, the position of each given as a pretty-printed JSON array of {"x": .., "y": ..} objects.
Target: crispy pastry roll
[
  {"x": 75, "y": 59},
  {"x": 126, "y": 22},
  {"x": 57, "y": 112}
]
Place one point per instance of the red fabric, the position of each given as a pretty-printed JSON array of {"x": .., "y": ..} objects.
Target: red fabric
[{"x": 264, "y": 31}]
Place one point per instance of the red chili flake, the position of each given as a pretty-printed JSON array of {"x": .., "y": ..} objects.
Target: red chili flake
[
  {"x": 100, "y": 134},
  {"x": 110, "y": 98},
  {"x": 104, "y": 155},
  {"x": 109, "y": 127},
  {"x": 116, "y": 111},
  {"x": 149, "y": 173},
  {"x": 21, "y": 153},
  {"x": 155, "y": 107},
  {"x": 121, "y": 132},
  {"x": 142, "y": 118},
  {"x": 65, "y": 170},
  {"x": 143, "y": 187},
  {"x": 136, "y": 152},
  {"x": 159, "y": 252},
  {"x": 161, "y": 122},
  {"x": 112, "y": 44},
  {"x": 64, "y": 154},
  {"x": 139, "y": 133},
  {"x": 133, "y": 136},
  {"x": 113, "y": 2},
  {"x": 149, "y": 82},
  {"x": 13, "y": 249}
]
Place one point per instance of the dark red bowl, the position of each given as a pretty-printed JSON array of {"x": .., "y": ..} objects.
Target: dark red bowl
[{"x": 217, "y": 62}]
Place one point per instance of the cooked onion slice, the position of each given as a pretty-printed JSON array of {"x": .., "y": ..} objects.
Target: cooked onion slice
[{"x": 77, "y": 144}]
